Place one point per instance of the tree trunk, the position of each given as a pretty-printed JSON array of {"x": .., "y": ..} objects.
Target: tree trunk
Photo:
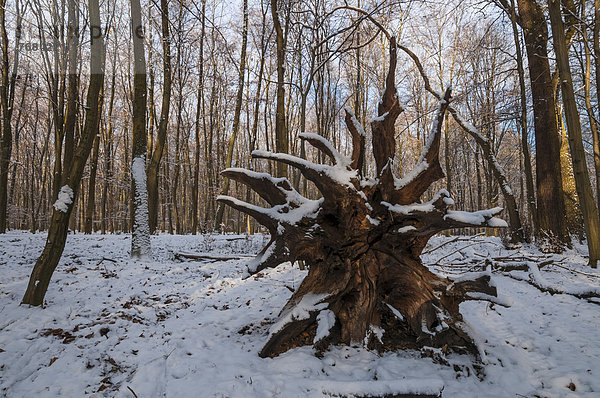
[
  {"x": 550, "y": 201},
  {"x": 91, "y": 199},
  {"x": 596, "y": 134},
  {"x": 593, "y": 126},
  {"x": 199, "y": 114},
  {"x": 596, "y": 38},
  {"x": 7, "y": 95},
  {"x": 108, "y": 151},
  {"x": 57, "y": 234},
  {"x": 236, "y": 115},
  {"x": 531, "y": 205},
  {"x": 73, "y": 86},
  {"x": 140, "y": 237},
  {"x": 154, "y": 163},
  {"x": 281, "y": 138},
  {"x": 362, "y": 243},
  {"x": 582, "y": 178}
]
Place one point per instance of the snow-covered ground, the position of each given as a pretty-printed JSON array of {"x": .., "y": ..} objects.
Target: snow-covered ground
[{"x": 170, "y": 328}]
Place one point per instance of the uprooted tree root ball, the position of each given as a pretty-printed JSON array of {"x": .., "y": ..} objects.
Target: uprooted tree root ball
[{"x": 362, "y": 242}]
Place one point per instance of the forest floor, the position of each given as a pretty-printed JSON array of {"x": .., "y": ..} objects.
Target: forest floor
[{"x": 171, "y": 328}]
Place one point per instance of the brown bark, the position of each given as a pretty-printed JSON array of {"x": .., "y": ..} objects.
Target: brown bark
[
  {"x": 140, "y": 239},
  {"x": 72, "y": 86},
  {"x": 550, "y": 201},
  {"x": 596, "y": 44},
  {"x": 155, "y": 158},
  {"x": 531, "y": 205},
  {"x": 6, "y": 131},
  {"x": 199, "y": 115},
  {"x": 91, "y": 198},
  {"x": 362, "y": 243},
  {"x": 7, "y": 95},
  {"x": 107, "y": 139},
  {"x": 57, "y": 233},
  {"x": 582, "y": 178},
  {"x": 281, "y": 137},
  {"x": 594, "y": 123}
]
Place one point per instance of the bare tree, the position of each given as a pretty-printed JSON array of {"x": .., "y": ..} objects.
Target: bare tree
[
  {"x": 62, "y": 208},
  {"x": 237, "y": 111},
  {"x": 281, "y": 134},
  {"x": 582, "y": 178},
  {"x": 199, "y": 126},
  {"x": 7, "y": 97},
  {"x": 161, "y": 138},
  {"x": 140, "y": 239},
  {"x": 550, "y": 199},
  {"x": 531, "y": 205}
]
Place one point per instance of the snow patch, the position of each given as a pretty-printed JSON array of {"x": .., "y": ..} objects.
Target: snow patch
[
  {"x": 420, "y": 167},
  {"x": 481, "y": 217},
  {"x": 310, "y": 302},
  {"x": 417, "y": 386},
  {"x": 325, "y": 321},
  {"x": 374, "y": 331},
  {"x": 373, "y": 221},
  {"x": 65, "y": 198},
  {"x": 340, "y": 172},
  {"x": 395, "y": 312},
  {"x": 355, "y": 121},
  {"x": 141, "y": 228},
  {"x": 338, "y": 157},
  {"x": 407, "y": 210},
  {"x": 379, "y": 118}
]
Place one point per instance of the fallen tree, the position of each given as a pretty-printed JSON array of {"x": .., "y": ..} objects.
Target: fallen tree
[{"x": 362, "y": 242}]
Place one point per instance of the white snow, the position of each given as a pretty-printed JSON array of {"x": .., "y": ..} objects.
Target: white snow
[
  {"x": 420, "y": 207},
  {"x": 141, "y": 235},
  {"x": 409, "y": 209},
  {"x": 395, "y": 312},
  {"x": 65, "y": 198},
  {"x": 372, "y": 220},
  {"x": 340, "y": 173},
  {"x": 379, "y": 118},
  {"x": 310, "y": 302},
  {"x": 254, "y": 263},
  {"x": 355, "y": 121},
  {"x": 282, "y": 213},
  {"x": 377, "y": 332},
  {"x": 421, "y": 166},
  {"x": 470, "y": 128},
  {"x": 325, "y": 321},
  {"x": 338, "y": 157},
  {"x": 292, "y": 196},
  {"x": 481, "y": 217},
  {"x": 406, "y": 229},
  {"x": 376, "y": 388},
  {"x": 195, "y": 328}
]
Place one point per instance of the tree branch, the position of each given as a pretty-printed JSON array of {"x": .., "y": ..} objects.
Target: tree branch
[
  {"x": 276, "y": 191},
  {"x": 358, "y": 139},
  {"x": 263, "y": 216}
]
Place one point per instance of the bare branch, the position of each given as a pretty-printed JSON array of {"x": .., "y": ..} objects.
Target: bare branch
[
  {"x": 358, "y": 139},
  {"x": 322, "y": 144},
  {"x": 273, "y": 254},
  {"x": 276, "y": 191},
  {"x": 427, "y": 170},
  {"x": 261, "y": 215}
]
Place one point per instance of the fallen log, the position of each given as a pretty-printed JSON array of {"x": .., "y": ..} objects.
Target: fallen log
[{"x": 206, "y": 257}]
